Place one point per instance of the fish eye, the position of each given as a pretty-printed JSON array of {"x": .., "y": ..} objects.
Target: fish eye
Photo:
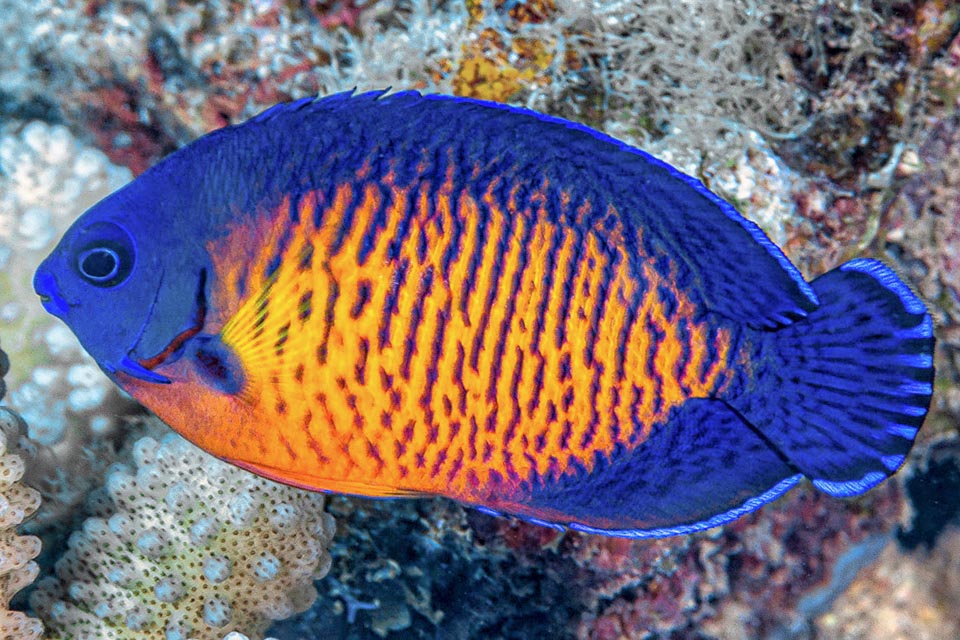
[
  {"x": 99, "y": 264},
  {"x": 107, "y": 260}
]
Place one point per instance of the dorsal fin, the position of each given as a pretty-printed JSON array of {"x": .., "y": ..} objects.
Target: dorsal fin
[{"x": 737, "y": 271}]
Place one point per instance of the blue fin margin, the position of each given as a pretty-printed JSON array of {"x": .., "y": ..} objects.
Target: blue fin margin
[
  {"x": 843, "y": 393},
  {"x": 735, "y": 267},
  {"x": 687, "y": 476}
]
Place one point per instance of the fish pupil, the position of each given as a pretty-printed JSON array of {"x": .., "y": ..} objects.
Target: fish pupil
[{"x": 99, "y": 264}]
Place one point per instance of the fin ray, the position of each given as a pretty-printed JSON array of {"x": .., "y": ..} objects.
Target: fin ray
[
  {"x": 738, "y": 271},
  {"x": 687, "y": 476},
  {"x": 846, "y": 420}
]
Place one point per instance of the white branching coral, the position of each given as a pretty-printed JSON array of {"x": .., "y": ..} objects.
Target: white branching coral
[
  {"x": 47, "y": 178},
  {"x": 17, "y": 502},
  {"x": 186, "y": 546}
]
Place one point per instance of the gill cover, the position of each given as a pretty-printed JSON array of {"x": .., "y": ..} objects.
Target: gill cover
[{"x": 113, "y": 280}]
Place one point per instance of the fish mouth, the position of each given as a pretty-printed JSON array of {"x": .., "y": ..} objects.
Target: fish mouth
[
  {"x": 143, "y": 369},
  {"x": 45, "y": 286}
]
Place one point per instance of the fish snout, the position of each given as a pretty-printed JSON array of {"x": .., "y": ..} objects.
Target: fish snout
[{"x": 46, "y": 287}]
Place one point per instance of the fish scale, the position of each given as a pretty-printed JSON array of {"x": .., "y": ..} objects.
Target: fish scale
[
  {"x": 525, "y": 390},
  {"x": 394, "y": 295}
]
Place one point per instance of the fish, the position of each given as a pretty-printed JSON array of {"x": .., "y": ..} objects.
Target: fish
[{"x": 397, "y": 295}]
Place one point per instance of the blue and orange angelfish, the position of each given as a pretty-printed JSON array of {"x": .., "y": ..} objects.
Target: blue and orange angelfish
[{"x": 401, "y": 295}]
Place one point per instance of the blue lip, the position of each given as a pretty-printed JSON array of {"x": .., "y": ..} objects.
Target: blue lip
[{"x": 46, "y": 287}]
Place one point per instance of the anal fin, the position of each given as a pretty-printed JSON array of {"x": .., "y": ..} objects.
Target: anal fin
[{"x": 704, "y": 467}]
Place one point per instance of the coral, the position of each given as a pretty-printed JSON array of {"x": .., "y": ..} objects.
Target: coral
[
  {"x": 146, "y": 77},
  {"x": 500, "y": 61},
  {"x": 901, "y": 595},
  {"x": 922, "y": 234},
  {"x": 47, "y": 178},
  {"x": 424, "y": 569},
  {"x": 790, "y": 551},
  {"x": 934, "y": 491},
  {"x": 185, "y": 546},
  {"x": 17, "y": 503},
  {"x": 4, "y": 370},
  {"x": 431, "y": 569},
  {"x": 670, "y": 72}
]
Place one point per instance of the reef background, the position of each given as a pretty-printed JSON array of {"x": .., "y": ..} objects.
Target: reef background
[{"x": 833, "y": 124}]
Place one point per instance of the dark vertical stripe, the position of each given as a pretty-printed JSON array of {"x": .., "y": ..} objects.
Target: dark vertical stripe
[
  {"x": 374, "y": 452},
  {"x": 263, "y": 312},
  {"x": 458, "y": 378},
  {"x": 332, "y": 294},
  {"x": 470, "y": 285},
  {"x": 361, "y": 300},
  {"x": 360, "y": 369},
  {"x": 591, "y": 431},
  {"x": 668, "y": 301},
  {"x": 305, "y": 307},
  {"x": 537, "y": 387},
  {"x": 358, "y": 420},
  {"x": 323, "y": 198},
  {"x": 413, "y": 322},
  {"x": 377, "y": 224},
  {"x": 493, "y": 287},
  {"x": 295, "y": 204},
  {"x": 390, "y": 303},
  {"x": 540, "y": 442},
  {"x": 574, "y": 265},
  {"x": 550, "y": 272},
  {"x": 403, "y": 227},
  {"x": 511, "y": 430},
  {"x": 614, "y": 420},
  {"x": 656, "y": 337},
  {"x": 472, "y": 440},
  {"x": 347, "y": 217},
  {"x": 498, "y": 349},
  {"x": 282, "y": 336},
  {"x": 599, "y": 308},
  {"x": 441, "y": 458},
  {"x": 311, "y": 441},
  {"x": 712, "y": 354},
  {"x": 565, "y": 434},
  {"x": 455, "y": 240},
  {"x": 436, "y": 344},
  {"x": 305, "y": 259},
  {"x": 630, "y": 318},
  {"x": 636, "y": 400},
  {"x": 433, "y": 360},
  {"x": 455, "y": 467},
  {"x": 683, "y": 335},
  {"x": 422, "y": 243}
]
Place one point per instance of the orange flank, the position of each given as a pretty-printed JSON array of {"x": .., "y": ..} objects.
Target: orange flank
[{"x": 421, "y": 339}]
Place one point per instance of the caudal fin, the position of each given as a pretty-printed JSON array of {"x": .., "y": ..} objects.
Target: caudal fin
[{"x": 841, "y": 394}]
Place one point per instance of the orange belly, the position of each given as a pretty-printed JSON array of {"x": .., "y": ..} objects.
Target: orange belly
[{"x": 472, "y": 347}]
